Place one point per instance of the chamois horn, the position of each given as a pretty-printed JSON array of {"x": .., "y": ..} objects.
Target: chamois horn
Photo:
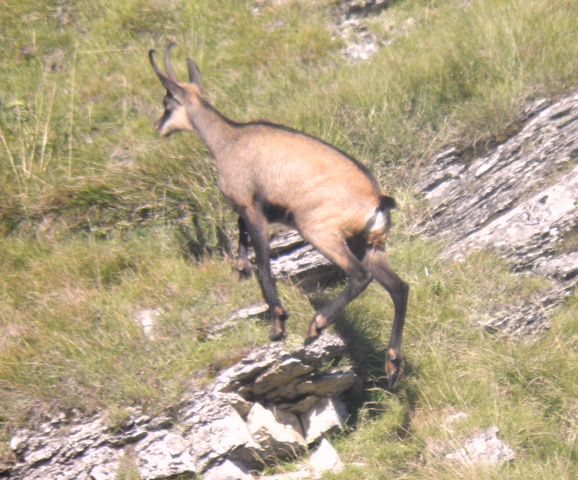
[
  {"x": 168, "y": 66},
  {"x": 169, "y": 81},
  {"x": 156, "y": 68}
]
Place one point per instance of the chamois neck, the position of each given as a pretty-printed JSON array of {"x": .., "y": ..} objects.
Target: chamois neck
[{"x": 212, "y": 126}]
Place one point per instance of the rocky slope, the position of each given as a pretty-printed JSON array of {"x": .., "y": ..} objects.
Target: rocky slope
[
  {"x": 521, "y": 200},
  {"x": 270, "y": 406}
]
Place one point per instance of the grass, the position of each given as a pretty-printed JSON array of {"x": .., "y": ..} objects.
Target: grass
[
  {"x": 100, "y": 219},
  {"x": 525, "y": 390}
]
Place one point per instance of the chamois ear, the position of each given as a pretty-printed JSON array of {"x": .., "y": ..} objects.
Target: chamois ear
[
  {"x": 169, "y": 83},
  {"x": 194, "y": 73}
]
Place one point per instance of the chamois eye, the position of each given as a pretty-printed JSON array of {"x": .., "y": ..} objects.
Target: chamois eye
[{"x": 170, "y": 103}]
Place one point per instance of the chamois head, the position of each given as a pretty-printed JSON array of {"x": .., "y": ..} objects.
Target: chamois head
[{"x": 179, "y": 95}]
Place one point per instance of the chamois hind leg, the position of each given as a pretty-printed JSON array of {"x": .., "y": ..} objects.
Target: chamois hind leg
[
  {"x": 258, "y": 229},
  {"x": 376, "y": 262},
  {"x": 337, "y": 251},
  {"x": 242, "y": 264}
]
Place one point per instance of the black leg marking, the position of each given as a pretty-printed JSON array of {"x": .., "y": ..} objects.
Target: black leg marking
[
  {"x": 258, "y": 229},
  {"x": 398, "y": 290},
  {"x": 358, "y": 278},
  {"x": 242, "y": 264}
]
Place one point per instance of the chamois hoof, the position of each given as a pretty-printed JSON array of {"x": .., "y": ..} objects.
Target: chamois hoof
[
  {"x": 278, "y": 331},
  {"x": 276, "y": 336},
  {"x": 244, "y": 269},
  {"x": 393, "y": 367},
  {"x": 314, "y": 330},
  {"x": 245, "y": 274},
  {"x": 310, "y": 339}
]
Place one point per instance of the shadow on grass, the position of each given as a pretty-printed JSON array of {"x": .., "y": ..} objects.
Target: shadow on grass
[{"x": 367, "y": 353}]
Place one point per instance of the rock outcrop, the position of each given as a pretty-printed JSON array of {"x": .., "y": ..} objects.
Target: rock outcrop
[
  {"x": 270, "y": 406},
  {"x": 521, "y": 200},
  {"x": 292, "y": 257}
]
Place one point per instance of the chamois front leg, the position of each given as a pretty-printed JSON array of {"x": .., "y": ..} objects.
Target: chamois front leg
[
  {"x": 258, "y": 229},
  {"x": 242, "y": 264}
]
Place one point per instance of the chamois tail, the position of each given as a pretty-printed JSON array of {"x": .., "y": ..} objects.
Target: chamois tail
[
  {"x": 386, "y": 203},
  {"x": 379, "y": 223}
]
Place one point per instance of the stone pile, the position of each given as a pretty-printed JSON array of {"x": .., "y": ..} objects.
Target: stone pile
[{"x": 272, "y": 405}]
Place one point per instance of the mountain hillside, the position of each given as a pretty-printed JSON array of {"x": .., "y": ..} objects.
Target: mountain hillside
[{"x": 116, "y": 247}]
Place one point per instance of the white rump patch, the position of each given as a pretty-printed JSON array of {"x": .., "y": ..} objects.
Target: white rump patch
[{"x": 377, "y": 222}]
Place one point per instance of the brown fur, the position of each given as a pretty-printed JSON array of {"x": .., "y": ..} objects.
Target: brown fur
[{"x": 273, "y": 173}]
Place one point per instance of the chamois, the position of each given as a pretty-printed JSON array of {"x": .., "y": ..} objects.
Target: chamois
[{"x": 272, "y": 173}]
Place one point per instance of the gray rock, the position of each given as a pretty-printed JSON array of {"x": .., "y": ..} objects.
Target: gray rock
[
  {"x": 301, "y": 406},
  {"x": 19, "y": 442},
  {"x": 328, "y": 415},
  {"x": 285, "y": 372},
  {"x": 273, "y": 375},
  {"x": 147, "y": 320},
  {"x": 277, "y": 432},
  {"x": 245, "y": 372},
  {"x": 228, "y": 470},
  {"x": 304, "y": 265},
  {"x": 520, "y": 200},
  {"x": 253, "y": 312},
  {"x": 329, "y": 384},
  {"x": 321, "y": 350},
  {"x": 483, "y": 448},
  {"x": 163, "y": 454},
  {"x": 213, "y": 428},
  {"x": 325, "y": 458},
  {"x": 222, "y": 429}
]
